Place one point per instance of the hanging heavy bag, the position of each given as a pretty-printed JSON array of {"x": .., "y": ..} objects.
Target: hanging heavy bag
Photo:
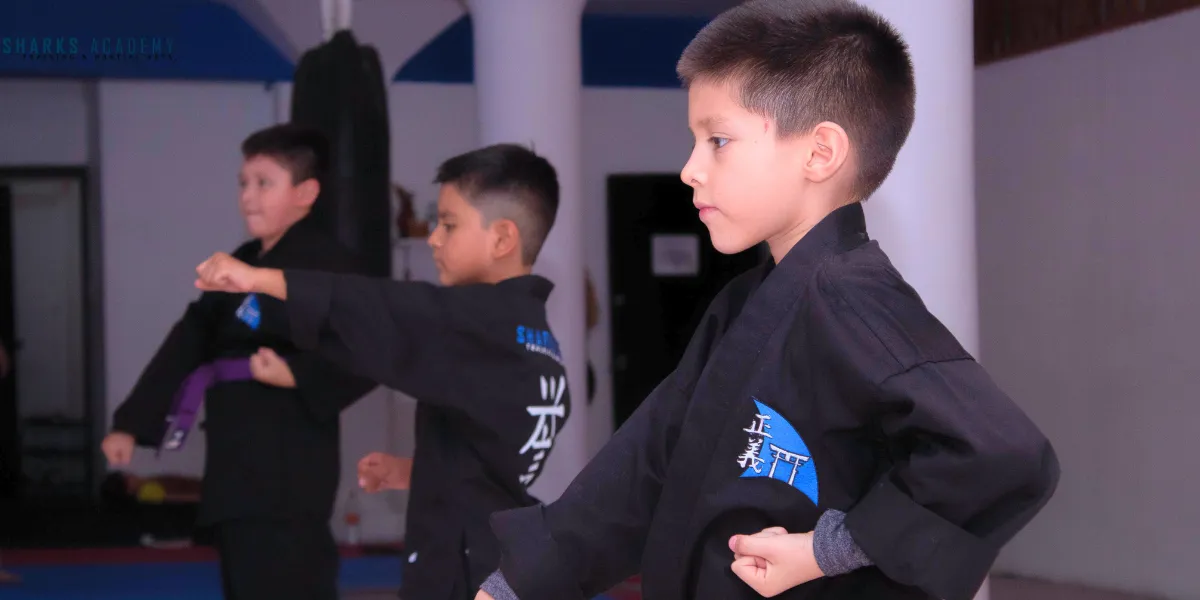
[{"x": 339, "y": 90}]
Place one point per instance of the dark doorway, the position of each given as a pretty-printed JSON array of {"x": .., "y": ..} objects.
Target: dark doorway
[
  {"x": 663, "y": 272},
  {"x": 10, "y": 456},
  {"x": 48, "y": 402}
]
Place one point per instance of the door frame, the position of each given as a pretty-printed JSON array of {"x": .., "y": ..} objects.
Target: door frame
[{"x": 95, "y": 405}]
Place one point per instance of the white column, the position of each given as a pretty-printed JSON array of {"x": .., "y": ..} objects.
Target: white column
[
  {"x": 924, "y": 215},
  {"x": 528, "y": 80},
  {"x": 281, "y": 99}
]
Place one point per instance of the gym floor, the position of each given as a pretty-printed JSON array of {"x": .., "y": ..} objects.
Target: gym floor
[
  {"x": 1003, "y": 588},
  {"x": 188, "y": 575},
  {"x": 1008, "y": 588},
  {"x": 184, "y": 574}
]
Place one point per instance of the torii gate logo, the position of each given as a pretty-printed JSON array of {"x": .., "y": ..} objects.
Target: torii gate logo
[{"x": 776, "y": 451}]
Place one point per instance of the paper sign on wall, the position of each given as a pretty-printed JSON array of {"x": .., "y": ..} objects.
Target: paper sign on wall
[{"x": 675, "y": 255}]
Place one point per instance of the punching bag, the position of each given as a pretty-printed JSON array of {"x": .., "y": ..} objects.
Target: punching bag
[{"x": 339, "y": 90}]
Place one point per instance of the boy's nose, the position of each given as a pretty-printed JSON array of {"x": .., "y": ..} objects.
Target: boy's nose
[{"x": 691, "y": 174}]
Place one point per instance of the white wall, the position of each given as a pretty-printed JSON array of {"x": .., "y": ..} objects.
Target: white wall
[
  {"x": 1087, "y": 187},
  {"x": 429, "y": 123},
  {"x": 43, "y": 122}
]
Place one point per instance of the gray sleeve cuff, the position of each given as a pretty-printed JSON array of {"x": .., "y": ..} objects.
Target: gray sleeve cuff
[
  {"x": 835, "y": 551},
  {"x": 497, "y": 587}
]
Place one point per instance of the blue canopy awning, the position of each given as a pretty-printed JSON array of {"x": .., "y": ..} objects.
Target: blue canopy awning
[{"x": 618, "y": 51}]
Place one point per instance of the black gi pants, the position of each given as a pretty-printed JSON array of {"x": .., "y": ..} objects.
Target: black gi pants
[{"x": 266, "y": 559}]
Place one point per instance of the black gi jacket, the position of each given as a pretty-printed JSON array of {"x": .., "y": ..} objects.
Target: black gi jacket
[
  {"x": 270, "y": 452},
  {"x": 492, "y": 395},
  {"x": 822, "y": 383}
]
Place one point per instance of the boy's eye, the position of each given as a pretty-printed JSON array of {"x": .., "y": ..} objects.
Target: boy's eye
[{"x": 718, "y": 141}]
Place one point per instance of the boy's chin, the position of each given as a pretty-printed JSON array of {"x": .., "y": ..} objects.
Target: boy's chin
[
  {"x": 727, "y": 242},
  {"x": 258, "y": 229}
]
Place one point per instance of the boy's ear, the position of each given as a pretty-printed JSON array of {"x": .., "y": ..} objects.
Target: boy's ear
[
  {"x": 829, "y": 150},
  {"x": 308, "y": 191},
  {"x": 508, "y": 238}
]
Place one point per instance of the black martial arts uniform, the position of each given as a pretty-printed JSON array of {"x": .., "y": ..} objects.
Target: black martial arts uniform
[
  {"x": 822, "y": 383},
  {"x": 272, "y": 456},
  {"x": 492, "y": 396}
]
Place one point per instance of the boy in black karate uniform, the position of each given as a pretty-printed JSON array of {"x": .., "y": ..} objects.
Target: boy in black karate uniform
[
  {"x": 272, "y": 457},
  {"x": 477, "y": 354},
  {"x": 824, "y": 436}
]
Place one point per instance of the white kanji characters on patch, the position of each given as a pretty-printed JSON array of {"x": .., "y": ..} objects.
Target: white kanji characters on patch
[
  {"x": 542, "y": 438},
  {"x": 758, "y": 433},
  {"x": 750, "y": 459},
  {"x": 759, "y": 427}
]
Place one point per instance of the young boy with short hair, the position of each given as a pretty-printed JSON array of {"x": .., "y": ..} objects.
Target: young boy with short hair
[
  {"x": 477, "y": 354},
  {"x": 824, "y": 436},
  {"x": 272, "y": 457}
]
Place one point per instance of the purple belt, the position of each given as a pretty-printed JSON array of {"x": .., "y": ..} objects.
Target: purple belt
[{"x": 191, "y": 394}]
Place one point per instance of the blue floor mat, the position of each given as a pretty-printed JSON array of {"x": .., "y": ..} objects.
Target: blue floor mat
[{"x": 168, "y": 581}]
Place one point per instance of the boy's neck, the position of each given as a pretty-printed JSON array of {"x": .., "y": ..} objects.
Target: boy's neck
[
  {"x": 270, "y": 242},
  {"x": 505, "y": 272},
  {"x": 783, "y": 242}
]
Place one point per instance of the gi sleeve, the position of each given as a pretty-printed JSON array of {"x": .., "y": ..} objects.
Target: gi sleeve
[
  {"x": 968, "y": 467},
  {"x": 325, "y": 388},
  {"x": 187, "y": 346},
  {"x": 593, "y": 536},
  {"x": 834, "y": 548},
  {"x": 391, "y": 332}
]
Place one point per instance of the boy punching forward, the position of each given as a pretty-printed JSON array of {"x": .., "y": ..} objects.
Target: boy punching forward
[
  {"x": 824, "y": 435},
  {"x": 477, "y": 354},
  {"x": 272, "y": 456}
]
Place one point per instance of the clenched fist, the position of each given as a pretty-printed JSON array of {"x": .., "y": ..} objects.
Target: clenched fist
[
  {"x": 773, "y": 561},
  {"x": 224, "y": 273},
  {"x": 118, "y": 448},
  {"x": 378, "y": 471},
  {"x": 267, "y": 367}
]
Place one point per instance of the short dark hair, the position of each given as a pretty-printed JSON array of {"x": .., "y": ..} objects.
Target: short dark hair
[
  {"x": 802, "y": 63},
  {"x": 508, "y": 181},
  {"x": 303, "y": 151}
]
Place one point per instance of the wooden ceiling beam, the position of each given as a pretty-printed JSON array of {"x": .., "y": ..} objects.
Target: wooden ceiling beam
[{"x": 1006, "y": 29}]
